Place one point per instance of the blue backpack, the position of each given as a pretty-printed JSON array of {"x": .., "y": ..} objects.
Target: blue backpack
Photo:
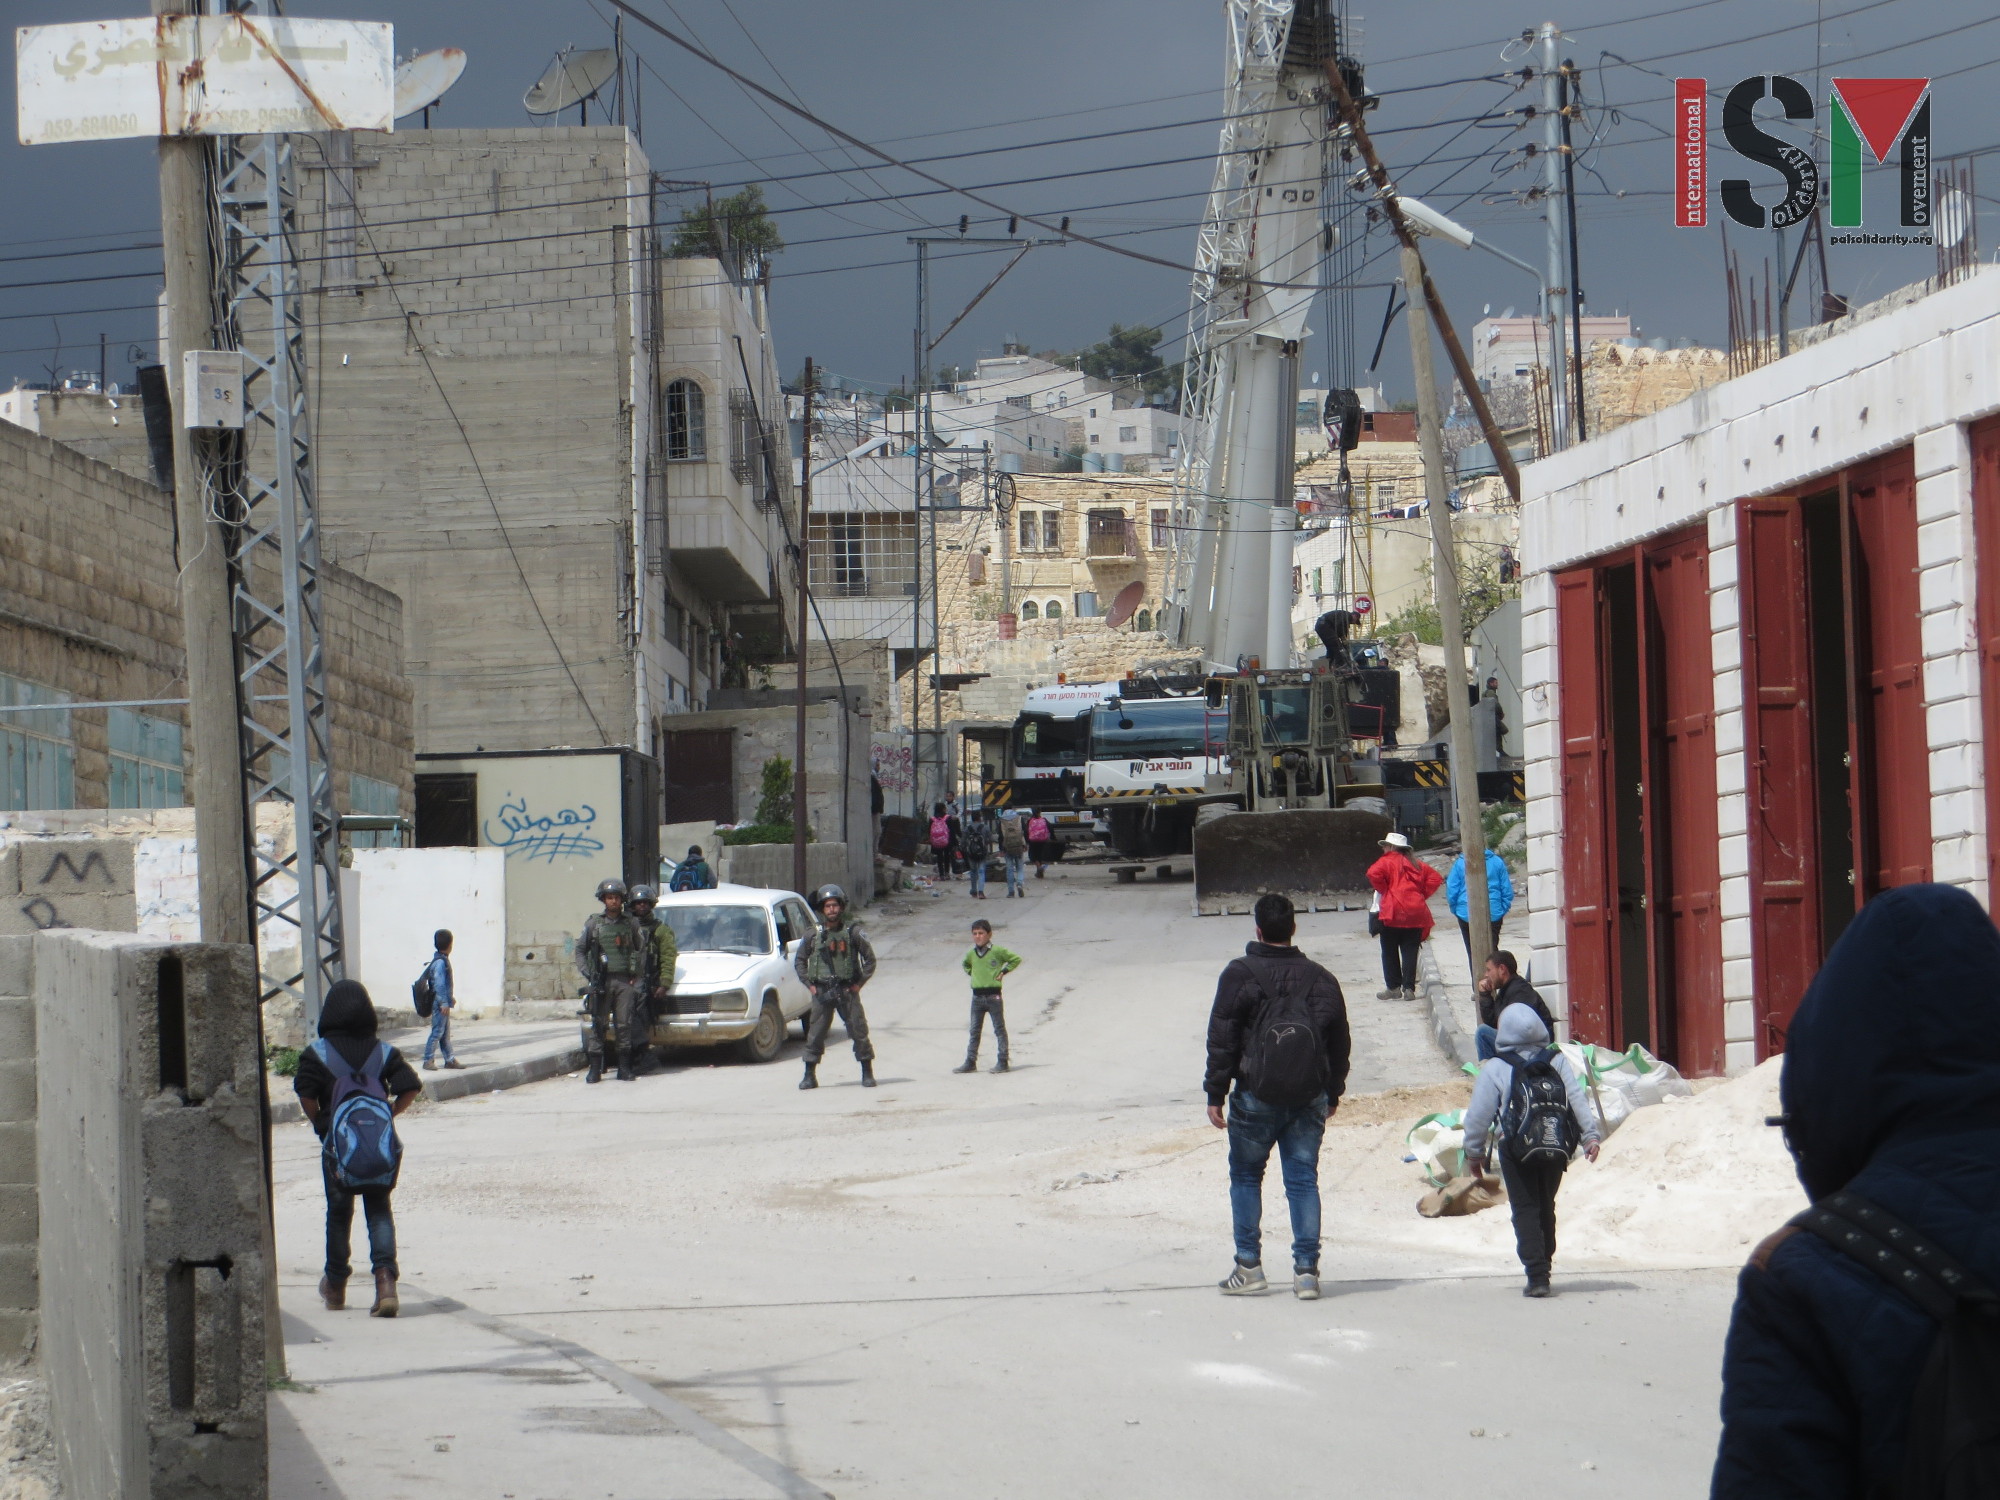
[{"x": 361, "y": 1138}]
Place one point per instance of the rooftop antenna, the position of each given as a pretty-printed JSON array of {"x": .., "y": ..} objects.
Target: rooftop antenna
[
  {"x": 573, "y": 78},
  {"x": 422, "y": 79}
]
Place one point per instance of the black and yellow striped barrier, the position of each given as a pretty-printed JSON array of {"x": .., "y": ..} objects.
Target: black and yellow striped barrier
[{"x": 1435, "y": 773}]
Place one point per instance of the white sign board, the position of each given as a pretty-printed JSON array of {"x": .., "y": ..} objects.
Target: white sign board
[{"x": 202, "y": 75}]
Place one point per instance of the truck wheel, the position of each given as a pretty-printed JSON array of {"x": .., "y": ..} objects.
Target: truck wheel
[{"x": 764, "y": 1044}]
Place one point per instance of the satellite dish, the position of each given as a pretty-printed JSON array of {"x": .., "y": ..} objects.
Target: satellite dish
[
  {"x": 421, "y": 81},
  {"x": 1954, "y": 216},
  {"x": 1126, "y": 604},
  {"x": 572, "y": 78}
]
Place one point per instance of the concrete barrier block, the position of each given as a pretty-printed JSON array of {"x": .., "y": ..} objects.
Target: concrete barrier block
[
  {"x": 20, "y": 1223},
  {"x": 17, "y": 1153},
  {"x": 19, "y": 1291},
  {"x": 148, "y": 1168},
  {"x": 76, "y": 867},
  {"x": 17, "y": 1090},
  {"x": 24, "y": 915},
  {"x": 17, "y": 965}
]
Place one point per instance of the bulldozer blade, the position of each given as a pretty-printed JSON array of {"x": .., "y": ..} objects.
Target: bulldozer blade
[{"x": 1318, "y": 856}]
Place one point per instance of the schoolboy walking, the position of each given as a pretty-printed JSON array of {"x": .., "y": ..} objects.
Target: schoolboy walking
[
  {"x": 1014, "y": 848},
  {"x": 1543, "y": 1114},
  {"x": 986, "y": 964},
  {"x": 437, "y": 973}
]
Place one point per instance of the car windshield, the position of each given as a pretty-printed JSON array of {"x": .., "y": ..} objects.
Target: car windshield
[
  {"x": 1045, "y": 740},
  {"x": 1158, "y": 729},
  {"x": 719, "y": 929}
]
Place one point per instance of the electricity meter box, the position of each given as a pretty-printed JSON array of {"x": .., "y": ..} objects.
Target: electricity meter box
[{"x": 212, "y": 388}]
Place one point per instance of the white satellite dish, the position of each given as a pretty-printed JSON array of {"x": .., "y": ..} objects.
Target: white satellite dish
[
  {"x": 1954, "y": 216},
  {"x": 422, "y": 80},
  {"x": 571, "y": 79}
]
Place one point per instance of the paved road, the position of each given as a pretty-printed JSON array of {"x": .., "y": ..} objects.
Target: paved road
[{"x": 887, "y": 1293}]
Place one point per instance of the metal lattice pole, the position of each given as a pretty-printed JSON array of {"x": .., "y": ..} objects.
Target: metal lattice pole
[{"x": 276, "y": 599}]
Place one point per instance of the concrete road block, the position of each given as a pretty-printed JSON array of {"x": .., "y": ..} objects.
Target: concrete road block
[{"x": 152, "y": 1273}]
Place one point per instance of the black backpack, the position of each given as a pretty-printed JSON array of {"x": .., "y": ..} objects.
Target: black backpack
[
  {"x": 1284, "y": 1062},
  {"x": 423, "y": 994},
  {"x": 1952, "y": 1450},
  {"x": 1539, "y": 1128}
]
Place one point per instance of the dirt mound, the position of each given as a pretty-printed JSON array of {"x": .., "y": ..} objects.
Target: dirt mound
[{"x": 1404, "y": 1105}]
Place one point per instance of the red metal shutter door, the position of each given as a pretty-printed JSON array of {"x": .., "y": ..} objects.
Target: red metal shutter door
[
  {"x": 1681, "y": 803},
  {"x": 1785, "y": 941},
  {"x": 1586, "y": 852},
  {"x": 1985, "y": 438},
  {"x": 1896, "y": 771}
]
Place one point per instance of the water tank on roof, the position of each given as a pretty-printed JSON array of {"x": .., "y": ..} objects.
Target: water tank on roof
[
  {"x": 1114, "y": 463},
  {"x": 1093, "y": 463}
]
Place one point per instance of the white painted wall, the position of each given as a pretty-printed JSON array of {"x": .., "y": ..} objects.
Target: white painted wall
[
  {"x": 1914, "y": 375},
  {"x": 396, "y": 898}
]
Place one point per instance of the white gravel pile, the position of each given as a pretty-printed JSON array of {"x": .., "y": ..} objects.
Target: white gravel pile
[
  {"x": 1691, "y": 1181},
  {"x": 27, "y": 1457}
]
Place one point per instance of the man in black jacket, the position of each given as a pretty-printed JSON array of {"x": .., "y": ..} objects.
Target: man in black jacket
[
  {"x": 1501, "y": 985},
  {"x": 1279, "y": 1024}
]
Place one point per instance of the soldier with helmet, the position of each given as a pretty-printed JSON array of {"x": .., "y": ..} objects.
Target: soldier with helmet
[
  {"x": 613, "y": 956},
  {"x": 835, "y": 962},
  {"x": 662, "y": 950}
]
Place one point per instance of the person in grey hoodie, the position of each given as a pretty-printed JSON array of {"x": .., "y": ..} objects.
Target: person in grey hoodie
[{"x": 1531, "y": 1187}]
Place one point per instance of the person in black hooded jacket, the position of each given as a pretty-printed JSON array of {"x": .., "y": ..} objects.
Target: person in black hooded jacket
[
  {"x": 347, "y": 1024},
  {"x": 1891, "y": 1088}
]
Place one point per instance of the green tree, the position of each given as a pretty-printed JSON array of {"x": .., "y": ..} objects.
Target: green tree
[
  {"x": 737, "y": 229},
  {"x": 774, "y": 802},
  {"x": 1130, "y": 356}
]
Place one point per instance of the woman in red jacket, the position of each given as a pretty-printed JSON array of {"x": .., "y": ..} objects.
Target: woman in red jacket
[{"x": 1404, "y": 885}]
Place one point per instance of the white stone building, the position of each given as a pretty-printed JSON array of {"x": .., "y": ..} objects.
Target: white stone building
[{"x": 1754, "y": 686}]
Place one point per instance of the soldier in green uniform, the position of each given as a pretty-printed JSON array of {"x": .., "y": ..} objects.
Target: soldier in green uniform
[
  {"x": 613, "y": 954},
  {"x": 835, "y": 962},
  {"x": 662, "y": 952}
]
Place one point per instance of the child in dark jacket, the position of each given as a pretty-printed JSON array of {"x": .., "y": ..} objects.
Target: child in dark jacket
[{"x": 347, "y": 1030}]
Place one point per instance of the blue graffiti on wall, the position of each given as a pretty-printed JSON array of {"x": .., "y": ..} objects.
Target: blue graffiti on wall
[{"x": 564, "y": 834}]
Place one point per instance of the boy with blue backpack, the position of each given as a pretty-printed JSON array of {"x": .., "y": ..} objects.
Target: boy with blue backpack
[
  {"x": 1531, "y": 1096},
  {"x": 351, "y": 1086}
]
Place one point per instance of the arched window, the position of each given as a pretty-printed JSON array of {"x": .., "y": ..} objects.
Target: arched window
[
  {"x": 1029, "y": 610},
  {"x": 1143, "y": 620},
  {"x": 1052, "y": 610},
  {"x": 686, "y": 418}
]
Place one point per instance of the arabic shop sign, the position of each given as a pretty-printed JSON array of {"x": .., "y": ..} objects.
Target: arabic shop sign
[
  {"x": 1879, "y": 114},
  {"x": 202, "y": 75}
]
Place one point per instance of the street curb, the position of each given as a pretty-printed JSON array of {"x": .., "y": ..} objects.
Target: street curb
[
  {"x": 457, "y": 1085},
  {"x": 1445, "y": 1030}
]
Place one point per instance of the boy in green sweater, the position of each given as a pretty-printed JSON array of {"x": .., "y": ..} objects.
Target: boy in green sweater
[{"x": 986, "y": 965}]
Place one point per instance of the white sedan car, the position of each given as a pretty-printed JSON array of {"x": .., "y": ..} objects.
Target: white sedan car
[{"x": 734, "y": 980}]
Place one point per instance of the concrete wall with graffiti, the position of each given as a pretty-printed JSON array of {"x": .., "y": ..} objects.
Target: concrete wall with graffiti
[
  {"x": 393, "y": 900},
  {"x": 558, "y": 824}
]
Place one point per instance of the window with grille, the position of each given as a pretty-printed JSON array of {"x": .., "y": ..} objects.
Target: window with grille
[
  {"x": 1030, "y": 610},
  {"x": 1108, "y": 534},
  {"x": 145, "y": 760},
  {"x": 376, "y": 799},
  {"x": 863, "y": 554},
  {"x": 745, "y": 448},
  {"x": 1162, "y": 526},
  {"x": 1128, "y": 434},
  {"x": 1052, "y": 531},
  {"x": 1143, "y": 620},
  {"x": 686, "y": 420},
  {"x": 1053, "y": 610},
  {"x": 37, "y": 754},
  {"x": 1031, "y": 531}
]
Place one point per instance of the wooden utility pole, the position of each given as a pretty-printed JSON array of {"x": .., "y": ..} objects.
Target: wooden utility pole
[
  {"x": 1444, "y": 557},
  {"x": 221, "y": 842},
  {"x": 805, "y": 621},
  {"x": 1503, "y": 457}
]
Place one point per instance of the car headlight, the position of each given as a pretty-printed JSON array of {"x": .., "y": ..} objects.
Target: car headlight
[{"x": 729, "y": 1000}]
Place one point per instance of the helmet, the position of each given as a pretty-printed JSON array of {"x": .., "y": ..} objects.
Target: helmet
[
  {"x": 643, "y": 895},
  {"x": 828, "y": 893},
  {"x": 611, "y": 887}
]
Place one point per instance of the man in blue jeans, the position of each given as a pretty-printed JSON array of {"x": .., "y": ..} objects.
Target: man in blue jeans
[{"x": 1279, "y": 1025}]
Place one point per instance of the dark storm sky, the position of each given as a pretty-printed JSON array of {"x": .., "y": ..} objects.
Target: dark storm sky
[{"x": 951, "y": 77}]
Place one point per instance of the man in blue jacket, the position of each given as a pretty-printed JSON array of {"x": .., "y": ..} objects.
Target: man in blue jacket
[
  {"x": 1891, "y": 1089},
  {"x": 1499, "y": 900}
]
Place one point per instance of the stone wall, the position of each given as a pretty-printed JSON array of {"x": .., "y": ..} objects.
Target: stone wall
[{"x": 90, "y": 606}]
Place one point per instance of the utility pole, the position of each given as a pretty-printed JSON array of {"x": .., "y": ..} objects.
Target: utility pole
[
  {"x": 1444, "y": 558},
  {"x": 221, "y": 841},
  {"x": 805, "y": 619},
  {"x": 1555, "y": 201}
]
